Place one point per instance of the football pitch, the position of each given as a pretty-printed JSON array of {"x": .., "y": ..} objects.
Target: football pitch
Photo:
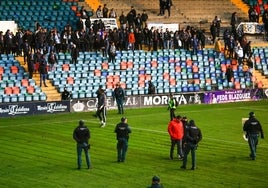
[{"x": 39, "y": 151}]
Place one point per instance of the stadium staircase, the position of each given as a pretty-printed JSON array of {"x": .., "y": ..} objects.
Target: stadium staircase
[{"x": 50, "y": 91}]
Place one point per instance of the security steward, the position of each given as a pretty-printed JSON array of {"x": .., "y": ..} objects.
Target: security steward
[
  {"x": 122, "y": 131},
  {"x": 253, "y": 128},
  {"x": 81, "y": 135},
  {"x": 193, "y": 136}
]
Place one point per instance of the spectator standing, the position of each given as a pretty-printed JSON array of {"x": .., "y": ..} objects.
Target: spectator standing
[
  {"x": 101, "y": 108},
  {"x": 234, "y": 22},
  {"x": 131, "y": 40},
  {"x": 172, "y": 106},
  {"x": 52, "y": 60},
  {"x": 265, "y": 22},
  {"x": 112, "y": 13},
  {"x": 81, "y": 135},
  {"x": 105, "y": 11},
  {"x": 217, "y": 22},
  {"x": 144, "y": 18},
  {"x": 168, "y": 6},
  {"x": 193, "y": 136},
  {"x": 74, "y": 53},
  {"x": 151, "y": 88},
  {"x": 229, "y": 74},
  {"x": 65, "y": 95},
  {"x": 162, "y": 4},
  {"x": 239, "y": 53},
  {"x": 119, "y": 97},
  {"x": 30, "y": 64},
  {"x": 123, "y": 20},
  {"x": 99, "y": 12},
  {"x": 253, "y": 129},
  {"x": 112, "y": 52},
  {"x": 43, "y": 70},
  {"x": 176, "y": 132},
  {"x": 156, "y": 183},
  {"x": 218, "y": 46},
  {"x": 122, "y": 131}
]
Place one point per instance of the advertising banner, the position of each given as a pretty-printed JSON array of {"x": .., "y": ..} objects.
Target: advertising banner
[
  {"x": 232, "y": 96},
  {"x": 31, "y": 108},
  {"x": 138, "y": 101}
]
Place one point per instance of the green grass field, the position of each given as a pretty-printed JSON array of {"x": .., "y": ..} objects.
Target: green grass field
[{"x": 38, "y": 151}]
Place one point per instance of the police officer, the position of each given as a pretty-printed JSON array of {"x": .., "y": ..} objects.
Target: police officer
[
  {"x": 156, "y": 183},
  {"x": 253, "y": 128},
  {"x": 172, "y": 105},
  {"x": 122, "y": 131},
  {"x": 193, "y": 136},
  {"x": 81, "y": 135}
]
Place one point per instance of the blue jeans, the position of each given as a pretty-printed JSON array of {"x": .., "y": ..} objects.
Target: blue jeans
[
  {"x": 80, "y": 147},
  {"x": 122, "y": 145},
  {"x": 120, "y": 107},
  {"x": 253, "y": 142}
]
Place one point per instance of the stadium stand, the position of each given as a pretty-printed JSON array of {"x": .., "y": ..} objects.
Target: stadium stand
[
  {"x": 170, "y": 70},
  {"x": 15, "y": 84}
]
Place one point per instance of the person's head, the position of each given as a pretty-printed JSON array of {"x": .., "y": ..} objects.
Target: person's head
[
  {"x": 81, "y": 122},
  {"x": 117, "y": 84},
  {"x": 124, "y": 120},
  {"x": 155, "y": 180},
  {"x": 191, "y": 123},
  {"x": 178, "y": 117},
  {"x": 251, "y": 114},
  {"x": 184, "y": 118}
]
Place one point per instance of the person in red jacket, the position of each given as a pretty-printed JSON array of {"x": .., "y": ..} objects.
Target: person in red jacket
[{"x": 176, "y": 132}]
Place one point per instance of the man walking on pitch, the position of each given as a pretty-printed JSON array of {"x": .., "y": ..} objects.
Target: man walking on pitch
[{"x": 253, "y": 128}]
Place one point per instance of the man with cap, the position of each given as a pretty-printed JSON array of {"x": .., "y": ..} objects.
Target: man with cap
[
  {"x": 192, "y": 137},
  {"x": 156, "y": 183},
  {"x": 81, "y": 135},
  {"x": 253, "y": 129},
  {"x": 176, "y": 132},
  {"x": 122, "y": 131}
]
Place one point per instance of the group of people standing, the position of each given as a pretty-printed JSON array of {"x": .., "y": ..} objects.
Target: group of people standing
[{"x": 186, "y": 136}]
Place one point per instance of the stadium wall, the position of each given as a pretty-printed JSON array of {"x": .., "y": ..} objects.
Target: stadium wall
[{"x": 137, "y": 101}]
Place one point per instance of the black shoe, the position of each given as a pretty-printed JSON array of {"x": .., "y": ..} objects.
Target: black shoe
[
  {"x": 183, "y": 167},
  {"x": 193, "y": 168},
  {"x": 171, "y": 157}
]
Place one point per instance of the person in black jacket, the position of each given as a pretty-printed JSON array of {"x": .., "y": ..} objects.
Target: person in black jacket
[
  {"x": 43, "y": 70},
  {"x": 81, "y": 135},
  {"x": 253, "y": 128},
  {"x": 122, "y": 131},
  {"x": 192, "y": 137}
]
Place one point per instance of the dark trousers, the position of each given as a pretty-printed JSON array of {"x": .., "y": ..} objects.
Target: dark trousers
[
  {"x": 101, "y": 113},
  {"x": 190, "y": 147},
  {"x": 172, "y": 113},
  {"x": 120, "y": 106},
  {"x": 177, "y": 143}
]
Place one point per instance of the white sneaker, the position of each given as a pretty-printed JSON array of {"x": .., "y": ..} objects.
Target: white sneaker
[{"x": 103, "y": 124}]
